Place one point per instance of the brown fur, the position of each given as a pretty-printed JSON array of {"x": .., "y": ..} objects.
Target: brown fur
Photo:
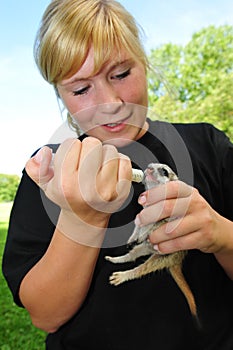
[{"x": 155, "y": 174}]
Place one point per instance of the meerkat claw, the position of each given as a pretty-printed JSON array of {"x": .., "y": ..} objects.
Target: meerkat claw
[
  {"x": 108, "y": 258},
  {"x": 116, "y": 278}
]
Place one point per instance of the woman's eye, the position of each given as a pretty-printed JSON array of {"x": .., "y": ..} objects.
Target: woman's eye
[
  {"x": 81, "y": 91},
  {"x": 122, "y": 75}
]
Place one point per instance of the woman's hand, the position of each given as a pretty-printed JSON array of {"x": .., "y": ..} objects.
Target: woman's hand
[
  {"x": 88, "y": 180},
  {"x": 195, "y": 224}
]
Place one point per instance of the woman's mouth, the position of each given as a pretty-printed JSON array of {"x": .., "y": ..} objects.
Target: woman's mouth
[
  {"x": 112, "y": 125},
  {"x": 116, "y": 126}
]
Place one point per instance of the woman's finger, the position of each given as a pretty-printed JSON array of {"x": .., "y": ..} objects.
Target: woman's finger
[
  {"x": 39, "y": 167},
  {"x": 108, "y": 173},
  {"x": 67, "y": 156},
  {"x": 181, "y": 226},
  {"x": 172, "y": 189},
  {"x": 172, "y": 208}
]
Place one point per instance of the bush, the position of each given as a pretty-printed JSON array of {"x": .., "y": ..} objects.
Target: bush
[{"x": 8, "y": 187}]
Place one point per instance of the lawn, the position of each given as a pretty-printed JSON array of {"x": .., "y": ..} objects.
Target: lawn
[{"x": 16, "y": 330}]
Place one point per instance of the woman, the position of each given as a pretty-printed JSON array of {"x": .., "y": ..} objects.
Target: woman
[{"x": 58, "y": 237}]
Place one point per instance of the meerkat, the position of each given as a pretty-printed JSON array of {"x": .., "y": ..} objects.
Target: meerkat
[{"x": 154, "y": 175}]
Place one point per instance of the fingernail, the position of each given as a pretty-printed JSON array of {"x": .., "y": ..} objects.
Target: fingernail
[
  {"x": 156, "y": 247},
  {"x": 142, "y": 199},
  {"x": 39, "y": 156}
]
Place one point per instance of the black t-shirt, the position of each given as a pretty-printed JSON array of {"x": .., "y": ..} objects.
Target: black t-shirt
[{"x": 150, "y": 312}]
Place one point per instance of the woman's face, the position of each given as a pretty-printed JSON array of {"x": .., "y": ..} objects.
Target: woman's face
[{"x": 110, "y": 105}]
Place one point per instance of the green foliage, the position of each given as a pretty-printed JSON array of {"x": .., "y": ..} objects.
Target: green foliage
[
  {"x": 16, "y": 331},
  {"x": 8, "y": 187},
  {"x": 199, "y": 80}
]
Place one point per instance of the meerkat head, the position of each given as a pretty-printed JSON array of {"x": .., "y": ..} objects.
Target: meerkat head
[{"x": 157, "y": 174}]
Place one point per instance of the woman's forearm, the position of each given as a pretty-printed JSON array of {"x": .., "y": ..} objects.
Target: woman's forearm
[
  {"x": 87, "y": 193},
  {"x": 55, "y": 288},
  {"x": 225, "y": 254}
]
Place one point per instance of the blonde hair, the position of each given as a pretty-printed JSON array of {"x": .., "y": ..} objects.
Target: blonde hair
[{"x": 69, "y": 27}]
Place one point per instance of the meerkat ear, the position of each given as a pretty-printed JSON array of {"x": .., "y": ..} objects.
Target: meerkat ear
[
  {"x": 163, "y": 172},
  {"x": 173, "y": 177}
]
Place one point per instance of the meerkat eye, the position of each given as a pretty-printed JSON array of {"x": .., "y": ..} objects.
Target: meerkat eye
[{"x": 163, "y": 172}]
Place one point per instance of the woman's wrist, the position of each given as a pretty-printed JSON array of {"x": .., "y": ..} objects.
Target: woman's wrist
[
  {"x": 225, "y": 254},
  {"x": 80, "y": 231}
]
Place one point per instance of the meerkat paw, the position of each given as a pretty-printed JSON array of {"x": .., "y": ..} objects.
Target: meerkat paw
[
  {"x": 144, "y": 233},
  {"x": 115, "y": 259},
  {"x": 118, "y": 259},
  {"x": 132, "y": 238},
  {"x": 118, "y": 277},
  {"x": 135, "y": 235},
  {"x": 109, "y": 258}
]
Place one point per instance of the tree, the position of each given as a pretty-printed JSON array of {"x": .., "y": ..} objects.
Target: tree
[
  {"x": 8, "y": 187},
  {"x": 199, "y": 79}
]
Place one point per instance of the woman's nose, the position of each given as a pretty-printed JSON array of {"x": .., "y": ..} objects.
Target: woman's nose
[
  {"x": 109, "y": 100},
  {"x": 110, "y": 107}
]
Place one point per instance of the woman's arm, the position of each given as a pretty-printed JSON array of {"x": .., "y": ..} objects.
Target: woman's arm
[
  {"x": 88, "y": 182},
  {"x": 55, "y": 288},
  {"x": 225, "y": 254}
]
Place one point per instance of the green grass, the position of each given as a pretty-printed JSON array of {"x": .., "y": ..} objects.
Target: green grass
[{"x": 16, "y": 330}]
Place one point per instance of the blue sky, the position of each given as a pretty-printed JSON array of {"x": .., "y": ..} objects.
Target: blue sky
[{"x": 29, "y": 113}]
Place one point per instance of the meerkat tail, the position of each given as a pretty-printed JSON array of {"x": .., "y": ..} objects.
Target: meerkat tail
[{"x": 178, "y": 276}]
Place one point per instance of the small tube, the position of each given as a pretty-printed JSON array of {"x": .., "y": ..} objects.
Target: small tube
[{"x": 137, "y": 175}]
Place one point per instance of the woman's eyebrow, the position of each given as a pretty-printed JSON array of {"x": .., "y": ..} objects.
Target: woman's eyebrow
[
  {"x": 119, "y": 63},
  {"x": 76, "y": 79}
]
